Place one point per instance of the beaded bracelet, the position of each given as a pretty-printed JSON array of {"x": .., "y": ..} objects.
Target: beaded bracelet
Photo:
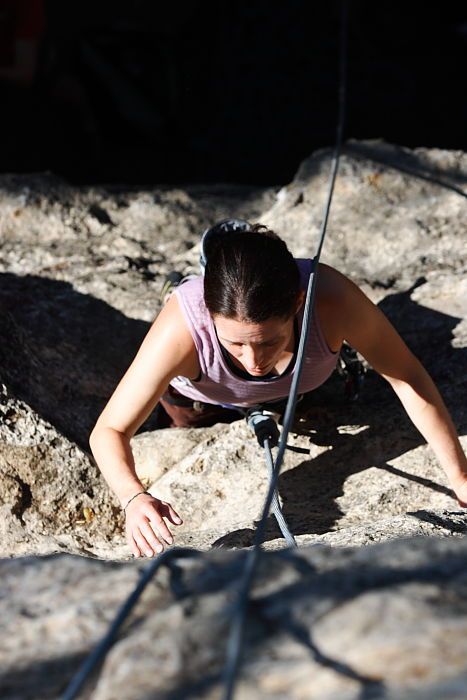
[{"x": 136, "y": 494}]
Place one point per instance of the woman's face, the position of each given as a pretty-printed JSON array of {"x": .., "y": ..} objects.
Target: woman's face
[{"x": 255, "y": 347}]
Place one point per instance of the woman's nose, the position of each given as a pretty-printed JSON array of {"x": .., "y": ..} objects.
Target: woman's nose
[{"x": 253, "y": 357}]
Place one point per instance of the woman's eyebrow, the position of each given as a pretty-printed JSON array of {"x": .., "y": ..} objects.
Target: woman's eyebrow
[
  {"x": 226, "y": 340},
  {"x": 262, "y": 342}
]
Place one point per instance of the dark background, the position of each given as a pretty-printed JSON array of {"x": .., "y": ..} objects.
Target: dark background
[{"x": 226, "y": 91}]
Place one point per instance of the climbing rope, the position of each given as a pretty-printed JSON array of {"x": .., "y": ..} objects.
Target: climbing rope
[
  {"x": 234, "y": 645},
  {"x": 269, "y": 439}
]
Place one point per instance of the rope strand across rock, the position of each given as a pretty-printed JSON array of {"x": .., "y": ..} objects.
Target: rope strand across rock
[
  {"x": 236, "y": 637},
  {"x": 234, "y": 645}
]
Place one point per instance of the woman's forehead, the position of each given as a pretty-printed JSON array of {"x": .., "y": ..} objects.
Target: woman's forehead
[{"x": 240, "y": 330}]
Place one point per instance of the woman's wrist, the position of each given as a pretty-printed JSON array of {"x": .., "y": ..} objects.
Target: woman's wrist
[
  {"x": 458, "y": 479},
  {"x": 130, "y": 490},
  {"x": 138, "y": 493},
  {"x": 454, "y": 461}
]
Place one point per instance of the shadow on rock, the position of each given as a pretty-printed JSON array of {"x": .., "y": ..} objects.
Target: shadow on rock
[
  {"x": 309, "y": 492},
  {"x": 63, "y": 352},
  {"x": 454, "y": 522},
  {"x": 429, "y": 334},
  {"x": 409, "y": 162},
  {"x": 294, "y": 608},
  {"x": 51, "y": 676}
]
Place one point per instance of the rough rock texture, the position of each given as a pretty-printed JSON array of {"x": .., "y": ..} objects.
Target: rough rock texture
[
  {"x": 396, "y": 214},
  {"x": 80, "y": 276},
  {"x": 386, "y": 621},
  {"x": 53, "y": 499},
  {"x": 81, "y": 273},
  {"x": 50, "y": 491}
]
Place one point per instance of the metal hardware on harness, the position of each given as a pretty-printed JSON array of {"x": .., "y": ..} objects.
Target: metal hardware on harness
[
  {"x": 352, "y": 370},
  {"x": 263, "y": 424}
]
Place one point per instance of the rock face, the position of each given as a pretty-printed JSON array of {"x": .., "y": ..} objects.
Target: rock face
[
  {"x": 81, "y": 272},
  {"x": 392, "y": 215},
  {"x": 384, "y": 621},
  {"x": 80, "y": 276},
  {"x": 50, "y": 491}
]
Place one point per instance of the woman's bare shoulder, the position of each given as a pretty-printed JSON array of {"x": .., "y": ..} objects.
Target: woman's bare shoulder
[
  {"x": 331, "y": 284},
  {"x": 167, "y": 350},
  {"x": 169, "y": 335},
  {"x": 331, "y": 288}
]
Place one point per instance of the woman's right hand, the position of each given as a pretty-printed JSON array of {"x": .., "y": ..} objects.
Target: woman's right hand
[{"x": 145, "y": 527}]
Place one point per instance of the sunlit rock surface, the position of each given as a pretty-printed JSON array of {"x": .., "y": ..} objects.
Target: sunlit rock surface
[{"x": 80, "y": 276}]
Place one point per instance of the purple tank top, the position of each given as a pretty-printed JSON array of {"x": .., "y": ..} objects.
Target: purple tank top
[{"x": 217, "y": 383}]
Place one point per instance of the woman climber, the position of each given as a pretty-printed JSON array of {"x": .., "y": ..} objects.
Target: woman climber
[{"x": 229, "y": 340}]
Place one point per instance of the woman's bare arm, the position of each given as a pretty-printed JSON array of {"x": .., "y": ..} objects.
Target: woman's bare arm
[
  {"x": 364, "y": 326},
  {"x": 167, "y": 351}
]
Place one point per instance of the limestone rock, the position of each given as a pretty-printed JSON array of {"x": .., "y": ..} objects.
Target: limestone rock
[
  {"x": 51, "y": 495},
  {"x": 73, "y": 317},
  {"x": 54, "y": 499},
  {"x": 396, "y": 214},
  {"x": 385, "y": 620},
  {"x": 80, "y": 275}
]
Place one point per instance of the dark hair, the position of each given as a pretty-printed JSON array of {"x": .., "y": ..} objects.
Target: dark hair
[{"x": 250, "y": 275}]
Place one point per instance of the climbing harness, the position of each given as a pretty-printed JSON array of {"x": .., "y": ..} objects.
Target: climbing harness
[{"x": 267, "y": 433}]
